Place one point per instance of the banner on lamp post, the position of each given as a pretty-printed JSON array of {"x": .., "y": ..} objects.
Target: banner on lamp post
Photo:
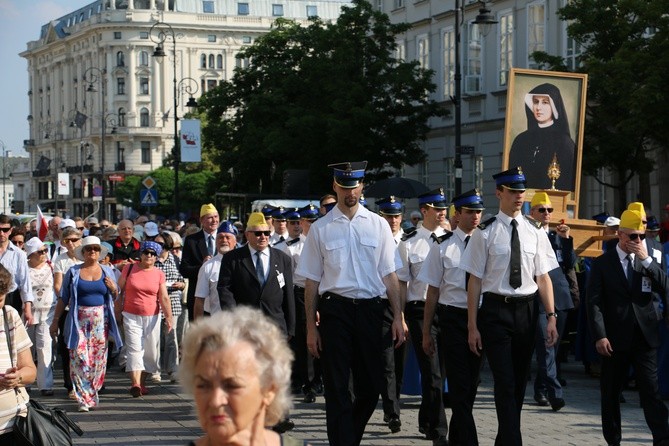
[
  {"x": 63, "y": 184},
  {"x": 190, "y": 141}
]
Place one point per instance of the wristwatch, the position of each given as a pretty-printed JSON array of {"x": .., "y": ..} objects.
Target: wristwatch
[{"x": 551, "y": 315}]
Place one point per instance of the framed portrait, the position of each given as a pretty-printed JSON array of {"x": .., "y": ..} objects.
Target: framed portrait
[{"x": 543, "y": 133}]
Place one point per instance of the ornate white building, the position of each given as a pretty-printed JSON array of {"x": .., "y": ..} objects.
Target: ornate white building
[{"x": 101, "y": 106}]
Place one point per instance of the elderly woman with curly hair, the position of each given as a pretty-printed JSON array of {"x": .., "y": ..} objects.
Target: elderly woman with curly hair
[{"x": 237, "y": 366}]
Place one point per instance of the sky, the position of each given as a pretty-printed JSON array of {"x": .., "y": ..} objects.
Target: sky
[{"x": 20, "y": 22}]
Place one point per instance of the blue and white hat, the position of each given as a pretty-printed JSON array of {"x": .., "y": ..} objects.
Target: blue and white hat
[{"x": 349, "y": 174}]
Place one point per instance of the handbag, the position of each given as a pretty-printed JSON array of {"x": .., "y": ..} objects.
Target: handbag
[{"x": 43, "y": 426}]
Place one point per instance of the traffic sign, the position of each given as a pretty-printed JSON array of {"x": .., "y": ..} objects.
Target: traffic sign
[
  {"x": 148, "y": 182},
  {"x": 148, "y": 197}
]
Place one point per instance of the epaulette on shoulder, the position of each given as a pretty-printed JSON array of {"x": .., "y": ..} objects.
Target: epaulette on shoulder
[
  {"x": 408, "y": 234},
  {"x": 486, "y": 223},
  {"x": 442, "y": 237},
  {"x": 292, "y": 242},
  {"x": 533, "y": 222}
]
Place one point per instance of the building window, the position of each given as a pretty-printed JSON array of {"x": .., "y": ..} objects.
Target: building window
[
  {"x": 423, "y": 51},
  {"x": 117, "y": 35},
  {"x": 208, "y": 7},
  {"x": 246, "y": 40},
  {"x": 448, "y": 56},
  {"x": 120, "y": 85},
  {"x": 242, "y": 9},
  {"x": 219, "y": 62},
  {"x": 312, "y": 11},
  {"x": 121, "y": 117},
  {"x": 120, "y": 59},
  {"x": 143, "y": 85},
  {"x": 277, "y": 10},
  {"x": 399, "y": 4},
  {"x": 472, "y": 70},
  {"x": 211, "y": 38},
  {"x": 203, "y": 61},
  {"x": 143, "y": 59},
  {"x": 211, "y": 84},
  {"x": 144, "y": 117},
  {"x": 146, "y": 152},
  {"x": 211, "y": 61},
  {"x": 143, "y": 34},
  {"x": 536, "y": 25},
  {"x": 400, "y": 51},
  {"x": 505, "y": 47}
]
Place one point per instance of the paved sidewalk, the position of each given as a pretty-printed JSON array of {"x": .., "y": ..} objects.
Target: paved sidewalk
[{"x": 166, "y": 417}]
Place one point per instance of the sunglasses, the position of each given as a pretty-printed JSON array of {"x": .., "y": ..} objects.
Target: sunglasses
[
  {"x": 148, "y": 253},
  {"x": 42, "y": 252},
  {"x": 92, "y": 248},
  {"x": 544, "y": 210},
  {"x": 637, "y": 236},
  {"x": 259, "y": 233},
  {"x": 5, "y": 230},
  {"x": 71, "y": 240}
]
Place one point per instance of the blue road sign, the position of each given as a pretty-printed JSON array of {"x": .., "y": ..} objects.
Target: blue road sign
[{"x": 148, "y": 197}]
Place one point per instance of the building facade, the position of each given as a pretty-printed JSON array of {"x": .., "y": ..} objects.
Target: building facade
[
  {"x": 486, "y": 56},
  {"x": 101, "y": 106}
]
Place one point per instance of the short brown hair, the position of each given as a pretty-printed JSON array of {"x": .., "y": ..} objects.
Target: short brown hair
[{"x": 5, "y": 280}]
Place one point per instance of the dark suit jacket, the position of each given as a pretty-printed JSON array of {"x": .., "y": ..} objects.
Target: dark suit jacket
[
  {"x": 194, "y": 251},
  {"x": 238, "y": 285},
  {"x": 565, "y": 287},
  {"x": 614, "y": 305}
]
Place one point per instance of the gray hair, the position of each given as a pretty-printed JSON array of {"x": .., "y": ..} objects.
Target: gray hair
[
  {"x": 243, "y": 323},
  {"x": 69, "y": 232}
]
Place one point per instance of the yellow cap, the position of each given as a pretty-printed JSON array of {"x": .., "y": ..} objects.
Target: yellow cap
[
  {"x": 637, "y": 206},
  {"x": 451, "y": 210},
  {"x": 632, "y": 220},
  {"x": 256, "y": 219},
  {"x": 540, "y": 198},
  {"x": 208, "y": 209}
]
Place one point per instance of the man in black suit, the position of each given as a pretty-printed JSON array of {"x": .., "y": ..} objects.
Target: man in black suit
[
  {"x": 624, "y": 324},
  {"x": 197, "y": 249}
]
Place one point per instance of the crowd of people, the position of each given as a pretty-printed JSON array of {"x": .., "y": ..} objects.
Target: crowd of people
[{"x": 328, "y": 300}]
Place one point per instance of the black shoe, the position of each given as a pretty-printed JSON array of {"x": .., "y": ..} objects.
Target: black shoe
[
  {"x": 386, "y": 417},
  {"x": 394, "y": 424},
  {"x": 541, "y": 400},
  {"x": 562, "y": 381},
  {"x": 309, "y": 397},
  {"x": 557, "y": 404},
  {"x": 283, "y": 426},
  {"x": 440, "y": 441}
]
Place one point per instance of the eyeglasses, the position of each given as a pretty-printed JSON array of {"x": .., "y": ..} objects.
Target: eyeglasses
[
  {"x": 7, "y": 229},
  {"x": 259, "y": 233},
  {"x": 543, "y": 210},
  {"x": 42, "y": 252},
  {"x": 92, "y": 248},
  {"x": 637, "y": 236},
  {"x": 71, "y": 240},
  {"x": 148, "y": 253}
]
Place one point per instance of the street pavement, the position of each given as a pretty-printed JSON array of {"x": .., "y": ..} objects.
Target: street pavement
[{"x": 166, "y": 416}]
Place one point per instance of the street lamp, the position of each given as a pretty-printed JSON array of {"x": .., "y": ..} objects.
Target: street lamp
[
  {"x": 5, "y": 153},
  {"x": 163, "y": 32},
  {"x": 484, "y": 18},
  {"x": 95, "y": 75}
]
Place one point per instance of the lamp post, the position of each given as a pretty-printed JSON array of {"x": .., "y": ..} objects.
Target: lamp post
[
  {"x": 163, "y": 32},
  {"x": 5, "y": 153},
  {"x": 483, "y": 18},
  {"x": 95, "y": 75}
]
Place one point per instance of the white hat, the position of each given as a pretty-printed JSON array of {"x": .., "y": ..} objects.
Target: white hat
[
  {"x": 67, "y": 223},
  {"x": 88, "y": 241},
  {"x": 612, "y": 221},
  {"x": 33, "y": 245},
  {"x": 150, "y": 229}
]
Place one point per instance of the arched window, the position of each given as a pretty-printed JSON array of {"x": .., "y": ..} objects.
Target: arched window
[
  {"x": 143, "y": 59},
  {"x": 219, "y": 62},
  {"x": 203, "y": 61},
  {"x": 211, "y": 61},
  {"x": 120, "y": 59},
  {"x": 121, "y": 117},
  {"x": 144, "y": 117}
]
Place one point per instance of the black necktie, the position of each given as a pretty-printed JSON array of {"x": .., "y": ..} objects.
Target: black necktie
[
  {"x": 630, "y": 270},
  {"x": 210, "y": 244},
  {"x": 260, "y": 271},
  {"x": 467, "y": 274},
  {"x": 515, "y": 279},
  {"x": 467, "y": 240}
]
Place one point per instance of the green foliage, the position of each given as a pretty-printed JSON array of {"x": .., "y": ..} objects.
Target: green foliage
[
  {"x": 318, "y": 94},
  {"x": 626, "y": 57}
]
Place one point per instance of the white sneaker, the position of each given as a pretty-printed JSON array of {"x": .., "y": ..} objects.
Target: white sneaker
[
  {"x": 83, "y": 408},
  {"x": 156, "y": 378}
]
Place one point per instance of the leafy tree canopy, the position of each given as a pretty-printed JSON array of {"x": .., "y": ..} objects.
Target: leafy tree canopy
[{"x": 319, "y": 94}]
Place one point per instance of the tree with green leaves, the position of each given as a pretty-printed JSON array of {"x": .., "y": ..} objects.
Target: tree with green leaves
[
  {"x": 318, "y": 94},
  {"x": 626, "y": 55}
]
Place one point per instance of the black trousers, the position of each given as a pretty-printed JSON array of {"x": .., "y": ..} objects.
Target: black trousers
[
  {"x": 64, "y": 352},
  {"x": 393, "y": 366},
  {"x": 464, "y": 369},
  {"x": 351, "y": 341},
  {"x": 431, "y": 413},
  {"x": 306, "y": 368},
  {"x": 507, "y": 334},
  {"x": 615, "y": 373}
]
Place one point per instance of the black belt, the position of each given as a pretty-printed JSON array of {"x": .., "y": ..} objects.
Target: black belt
[
  {"x": 298, "y": 288},
  {"x": 350, "y": 300},
  {"x": 509, "y": 299},
  {"x": 416, "y": 303},
  {"x": 452, "y": 309}
]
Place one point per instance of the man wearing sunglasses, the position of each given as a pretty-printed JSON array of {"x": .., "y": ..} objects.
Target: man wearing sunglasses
[
  {"x": 547, "y": 387},
  {"x": 623, "y": 321}
]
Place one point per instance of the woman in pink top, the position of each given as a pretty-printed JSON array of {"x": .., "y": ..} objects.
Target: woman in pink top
[{"x": 144, "y": 291}]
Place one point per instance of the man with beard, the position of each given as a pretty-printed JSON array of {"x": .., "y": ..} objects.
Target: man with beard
[
  {"x": 349, "y": 260},
  {"x": 206, "y": 293}
]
